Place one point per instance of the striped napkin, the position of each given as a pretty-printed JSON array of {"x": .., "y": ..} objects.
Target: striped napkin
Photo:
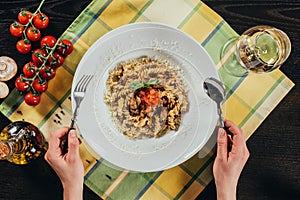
[{"x": 249, "y": 101}]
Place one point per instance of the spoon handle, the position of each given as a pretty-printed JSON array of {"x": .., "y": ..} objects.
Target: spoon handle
[
  {"x": 222, "y": 125},
  {"x": 221, "y": 119}
]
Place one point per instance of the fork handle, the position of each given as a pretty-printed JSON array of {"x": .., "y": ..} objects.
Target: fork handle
[
  {"x": 64, "y": 142},
  {"x": 64, "y": 139}
]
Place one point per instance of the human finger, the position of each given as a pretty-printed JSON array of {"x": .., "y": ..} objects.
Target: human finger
[
  {"x": 222, "y": 142},
  {"x": 56, "y": 135},
  {"x": 54, "y": 141},
  {"x": 234, "y": 129},
  {"x": 73, "y": 145},
  {"x": 237, "y": 133},
  {"x": 238, "y": 141}
]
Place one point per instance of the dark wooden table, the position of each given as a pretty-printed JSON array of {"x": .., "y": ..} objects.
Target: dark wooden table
[{"x": 273, "y": 170}]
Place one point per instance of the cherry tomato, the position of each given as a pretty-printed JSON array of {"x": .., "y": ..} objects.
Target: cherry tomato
[
  {"x": 48, "y": 41},
  {"x": 40, "y": 85},
  {"x": 32, "y": 99},
  {"x": 21, "y": 85},
  {"x": 24, "y": 16},
  {"x": 56, "y": 60},
  {"x": 33, "y": 34},
  {"x": 40, "y": 20},
  {"x": 38, "y": 56},
  {"x": 65, "y": 47},
  {"x": 16, "y": 29},
  {"x": 23, "y": 46},
  {"x": 47, "y": 73},
  {"x": 29, "y": 70}
]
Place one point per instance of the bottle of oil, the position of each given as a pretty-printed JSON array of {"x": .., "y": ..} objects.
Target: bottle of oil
[{"x": 21, "y": 142}]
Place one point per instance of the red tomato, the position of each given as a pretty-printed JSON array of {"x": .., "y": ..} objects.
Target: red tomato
[
  {"x": 33, "y": 34},
  {"x": 47, "y": 73},
  {"x": 38, "y": 56},
  {"x": 65, "y": 47},
  {"x": 29, "y": 70},
  {"x": 24, "y": 16},
  {"x": 40, "y": 20},
  {"x": 39, "y": 85},
  {"x": 21, "y": 85},
  {"x": 16, "y": 29},
  {"x": 48, "y": 41},
  {"x": 56, "y": 60},
  {"x": 23, "y": 46},
  {"x": 32, "y": 99}
]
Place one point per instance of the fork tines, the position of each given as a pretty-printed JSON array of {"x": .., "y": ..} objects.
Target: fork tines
[{"x": 83, "y": 82}]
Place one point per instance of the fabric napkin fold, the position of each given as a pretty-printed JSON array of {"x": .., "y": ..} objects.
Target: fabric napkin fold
[{"x": 249, "y": 101}]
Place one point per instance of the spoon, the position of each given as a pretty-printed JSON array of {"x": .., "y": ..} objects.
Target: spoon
[{"x": 216, "y": 91}]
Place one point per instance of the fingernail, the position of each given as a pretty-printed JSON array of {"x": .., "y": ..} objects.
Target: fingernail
[
  {"x": 221, "y": 132},
  {"x": 73, "y": 134}
]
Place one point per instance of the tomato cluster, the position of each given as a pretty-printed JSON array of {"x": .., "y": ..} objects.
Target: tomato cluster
[
  {"x": 28, "y": 27},
  {"x": 38, "y": 72},
  {"x": 45, "y": 60}
]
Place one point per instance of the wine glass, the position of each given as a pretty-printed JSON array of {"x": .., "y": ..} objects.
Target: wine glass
[{"x": 259, "y": 49}]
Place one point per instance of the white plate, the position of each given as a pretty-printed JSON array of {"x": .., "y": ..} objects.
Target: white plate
[{"x": 95, "y": 122}]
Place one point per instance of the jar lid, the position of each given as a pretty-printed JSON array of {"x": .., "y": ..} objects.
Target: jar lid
[
  {"x": 8, "y": 68},
  {"x": 4, "y": 90}
]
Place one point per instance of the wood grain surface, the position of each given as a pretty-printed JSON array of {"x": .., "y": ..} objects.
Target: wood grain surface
[{"x": 273, "y": 170}]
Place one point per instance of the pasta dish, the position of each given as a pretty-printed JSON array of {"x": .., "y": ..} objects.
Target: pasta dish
[{"x": 146, "y": 97}]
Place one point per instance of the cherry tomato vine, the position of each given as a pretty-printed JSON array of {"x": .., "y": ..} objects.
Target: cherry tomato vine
[
  {"x": 28, "y": 27},
  {"x": 45, "y": 60}
]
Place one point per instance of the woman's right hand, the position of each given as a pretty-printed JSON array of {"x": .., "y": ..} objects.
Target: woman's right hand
[
  {"x": 69, "y": 166},
  {"x": 228, "y": 165}
]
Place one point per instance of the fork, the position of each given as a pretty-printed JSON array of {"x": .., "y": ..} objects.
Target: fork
[{"x": 78, "y": 94}]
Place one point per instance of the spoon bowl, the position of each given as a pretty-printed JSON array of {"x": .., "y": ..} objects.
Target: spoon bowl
[{"x": 216, "y": 91}]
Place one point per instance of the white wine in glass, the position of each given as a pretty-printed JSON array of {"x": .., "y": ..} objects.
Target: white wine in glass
[{"x": 262, "y": 48}]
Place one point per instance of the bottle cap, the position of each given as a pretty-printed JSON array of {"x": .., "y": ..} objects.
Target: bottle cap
[
  {"x": 8, "y": 68},
  {"x": 4, "y": 90}
]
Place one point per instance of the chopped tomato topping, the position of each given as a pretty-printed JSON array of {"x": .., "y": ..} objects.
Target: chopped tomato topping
[{"x": 151, "y": 97}]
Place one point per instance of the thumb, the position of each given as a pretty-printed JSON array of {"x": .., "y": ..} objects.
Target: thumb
[
  {"x": 73, "y": 151},
  {"x": 222, "y": 151}
]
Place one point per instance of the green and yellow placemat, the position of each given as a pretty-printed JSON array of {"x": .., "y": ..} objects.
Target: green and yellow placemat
[{"x": 249, "y": 101}]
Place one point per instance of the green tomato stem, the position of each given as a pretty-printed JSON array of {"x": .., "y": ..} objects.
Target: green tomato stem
[
  {"x": 37, "y": 75},
  {"x": 38, "y": 10}
]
